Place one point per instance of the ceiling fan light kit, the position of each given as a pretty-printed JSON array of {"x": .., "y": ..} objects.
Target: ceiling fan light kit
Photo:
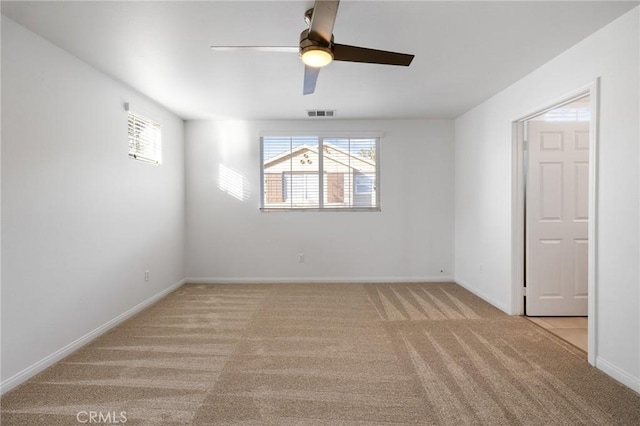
[{"x": 316, "y": 57}]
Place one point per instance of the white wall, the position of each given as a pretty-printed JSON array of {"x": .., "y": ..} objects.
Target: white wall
[
  {"x": 483, "y": 186},
  {"x": 410, "y": 239},
  {"x": 80, "y": 220}
]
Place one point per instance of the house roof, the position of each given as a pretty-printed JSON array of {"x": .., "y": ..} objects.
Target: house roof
[{"x": 329, "y": 152}]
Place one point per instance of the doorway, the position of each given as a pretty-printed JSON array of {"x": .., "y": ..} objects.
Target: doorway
[
  {"x": 554, "y": 182},
  {"x": 557, "y": 211}
]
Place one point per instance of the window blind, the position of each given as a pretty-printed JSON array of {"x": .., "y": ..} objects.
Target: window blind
[
  {"x": 312, "y": 172},
  {"x": 145, "y": 138}
]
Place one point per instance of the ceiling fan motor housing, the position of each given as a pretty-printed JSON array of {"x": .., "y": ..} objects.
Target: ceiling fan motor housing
[
  {"x": 315, "y": 53},
  {"x": 307, "y": 43}
]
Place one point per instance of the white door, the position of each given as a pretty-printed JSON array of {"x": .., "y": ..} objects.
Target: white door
[{"x": 557, "y": 218}]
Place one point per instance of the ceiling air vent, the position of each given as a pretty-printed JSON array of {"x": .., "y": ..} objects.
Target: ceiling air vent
[{"x": 321, "y": 113}]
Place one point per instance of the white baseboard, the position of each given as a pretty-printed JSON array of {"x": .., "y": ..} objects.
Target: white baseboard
[
  {"x": 315, "y": 280},
  {"x": 48, "y": 361},
  {"x": 618, "y": 374},
  {"x": 504, "y": 308}
]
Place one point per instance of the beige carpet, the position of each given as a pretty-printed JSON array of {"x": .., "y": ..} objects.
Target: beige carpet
[{"x": 324, "y": 354}]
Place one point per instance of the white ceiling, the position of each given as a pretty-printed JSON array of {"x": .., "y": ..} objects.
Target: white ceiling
[{"x": 465, "y": 51}]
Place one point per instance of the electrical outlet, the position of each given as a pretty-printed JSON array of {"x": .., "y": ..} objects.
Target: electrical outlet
[
  {"x": 147, "y": 275},
  {"x": 301, "y": 257},
  {"x": 481, "y": 267}
]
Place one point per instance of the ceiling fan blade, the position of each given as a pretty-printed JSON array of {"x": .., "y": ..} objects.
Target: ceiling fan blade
[
  {"x": 323, "y": 19},
  {"x": 342, "y": 52},
  {"x": 310, "y": 78},
  {"x": 285, "y": 49}
]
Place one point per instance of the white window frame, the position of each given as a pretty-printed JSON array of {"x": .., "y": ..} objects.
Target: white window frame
[
  {"x": 152, "y": 141},
  {"x": 321, "y": 137}
]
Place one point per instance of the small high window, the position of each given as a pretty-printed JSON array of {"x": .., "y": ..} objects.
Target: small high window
[
  {"x": 322, "y": 173},
  {"x": 145, "y": 138}
]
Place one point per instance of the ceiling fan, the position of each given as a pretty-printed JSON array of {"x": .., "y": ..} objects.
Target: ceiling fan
[{"x": 317, "y": 48}]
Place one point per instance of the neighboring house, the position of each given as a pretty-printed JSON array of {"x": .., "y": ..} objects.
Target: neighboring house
[{"x": 291, "y": 179}]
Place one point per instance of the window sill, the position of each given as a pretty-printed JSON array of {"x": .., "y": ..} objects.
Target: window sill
[{"x": 315, "y": 209}]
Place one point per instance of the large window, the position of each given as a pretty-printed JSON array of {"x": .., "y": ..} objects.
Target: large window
[
  {"x": 145, "y": 138},
  {"x": 292, "y": 167}
]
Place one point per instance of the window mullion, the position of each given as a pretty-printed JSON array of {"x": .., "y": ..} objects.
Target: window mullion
[
  {"x": 262, "y": 186},
  {"x": 321, "y": 172},
  {"x": 290, "y": 189},
  {"x": 352, "y": 193},
  {"x": 377, "y": 179}
]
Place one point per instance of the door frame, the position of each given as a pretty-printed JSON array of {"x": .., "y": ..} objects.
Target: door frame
[{"x": 518, "y": 194}]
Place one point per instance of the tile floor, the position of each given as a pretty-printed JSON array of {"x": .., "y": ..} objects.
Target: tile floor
[{"x": 571, "y": 329}]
